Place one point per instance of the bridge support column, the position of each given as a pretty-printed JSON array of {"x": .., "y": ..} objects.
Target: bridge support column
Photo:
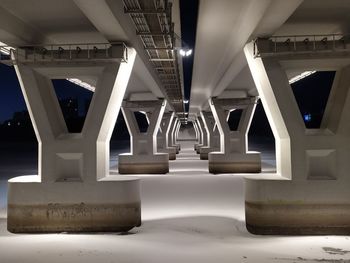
[
  {"x": 310, "y": 192},
  {"x": 233, "y": 156},
  {"x": 172, "y": 135},
  {"x": 205, "y": 134},
  {"x": 177, "y": 131},
  {"x": 163, "y": 134},
  {"x": 213, "y": 135},
  {"x": 73, "y": 191},
  {"x": 199, "y": 135},
  {"x": 143, "y": 158}
]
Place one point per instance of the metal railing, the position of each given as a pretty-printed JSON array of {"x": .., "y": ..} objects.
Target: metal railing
[
  {"x": 63, "y": 52},
  {"x": 301, "y": 44}
]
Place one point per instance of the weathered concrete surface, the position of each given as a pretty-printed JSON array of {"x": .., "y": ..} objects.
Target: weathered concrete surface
[
  {"x": 143, "y": 164},
  {"x": 234, "y": 167},
  {"x": 234, "y": 163},
  {"x": 266, "y": 218},
  {"x": 76, "y": 217},
  {"x": 111, "y": 204}
]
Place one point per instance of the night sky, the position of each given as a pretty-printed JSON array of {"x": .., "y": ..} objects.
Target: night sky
[
  {"x": 11, "y": 98},
  {"x": 189, "y": 12}
]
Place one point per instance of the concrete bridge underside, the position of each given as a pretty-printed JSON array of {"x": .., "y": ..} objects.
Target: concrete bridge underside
[{"x": 245, "y": 51}]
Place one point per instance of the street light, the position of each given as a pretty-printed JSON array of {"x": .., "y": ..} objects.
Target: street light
[{"x": 184, "y": 51}]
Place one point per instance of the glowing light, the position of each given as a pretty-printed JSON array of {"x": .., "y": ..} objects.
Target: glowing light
[
  {"x": 5, "y": 49},
  {"x": 301, "y": 76},
  {"x": 185, "y": 52},
  {"x": 82, "y": 84},
  {"x": 185, "y": 101},
  {"x": 189, "y": 52}
]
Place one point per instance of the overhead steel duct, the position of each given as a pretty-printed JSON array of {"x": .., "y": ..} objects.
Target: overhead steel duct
[{"x": 153, "y": 23}]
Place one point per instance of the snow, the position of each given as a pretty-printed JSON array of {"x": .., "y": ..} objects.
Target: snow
[{"x": 188, "y": 215}]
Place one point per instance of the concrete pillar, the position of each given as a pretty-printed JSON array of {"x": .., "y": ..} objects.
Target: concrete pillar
[
  {"x": 143, "y": 158},
  {"x": 205, "y": 135},
  {"x": 309, "y": 194},
  {"x": 196, "y": 133},
  {"x": 213, "y": 135},
  {"x": 233, "y": 156},
  {"x": 172, "y": 134},
  {"x": 163, "y": 134},
  {"x": 199, "y": 134},
  {"x": 73, "y": 190},
  {"x": 177, "y": 130}
]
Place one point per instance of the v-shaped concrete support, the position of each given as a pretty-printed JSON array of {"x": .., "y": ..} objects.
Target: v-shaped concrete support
[
  {"x": 309, "y": 194},
  {"x": 73, "y": 190},
  {"x": 213, "y": 135},
  {"x": 143, "y": 158},
  {"x": 205, "y": 135},
  {"x": 172, "y": 135},
  {"x": 233, "y": 156},
  {"x": 199, "y": 134},
  {"x": 163, "y": 134}
]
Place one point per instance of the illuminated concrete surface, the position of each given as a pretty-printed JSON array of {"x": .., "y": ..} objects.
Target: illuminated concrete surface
[
  {"x": 143, "y": 156},
  {"x": 73, "y": 190},
  {"x": 188, "y": 215},
  {"x": 233, "y": 155},
  {"x": 164, "y": 133},
  {"x": 312, "y": 163}
]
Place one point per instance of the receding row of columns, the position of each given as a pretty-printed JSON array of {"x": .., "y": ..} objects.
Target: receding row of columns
[
  {"x": 74, "y": 190},
  {"x": 226, "y": 150}
]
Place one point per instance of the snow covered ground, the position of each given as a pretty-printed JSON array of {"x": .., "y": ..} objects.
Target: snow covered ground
[{"x": 188, "y": 215}]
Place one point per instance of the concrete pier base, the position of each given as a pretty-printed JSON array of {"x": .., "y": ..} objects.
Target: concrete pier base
[
  {"x": 203, "y": 152},
  {"x": 151, "y": 164},
  {"x": 269, "y": 218},
  {"x": 234, "y": 162},
  {"x": 110, "y": 205}
]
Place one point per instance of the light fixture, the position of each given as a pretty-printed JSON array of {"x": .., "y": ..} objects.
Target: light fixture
[
  {"x": 189, "y": 52},
  {"x": 185, "y": 52},
  {"x": 185, "y": 101},
  {"x": 5, "y": 49},
  {"x": 301, "y": 76},
  {"x": 82, "y": 84}
]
